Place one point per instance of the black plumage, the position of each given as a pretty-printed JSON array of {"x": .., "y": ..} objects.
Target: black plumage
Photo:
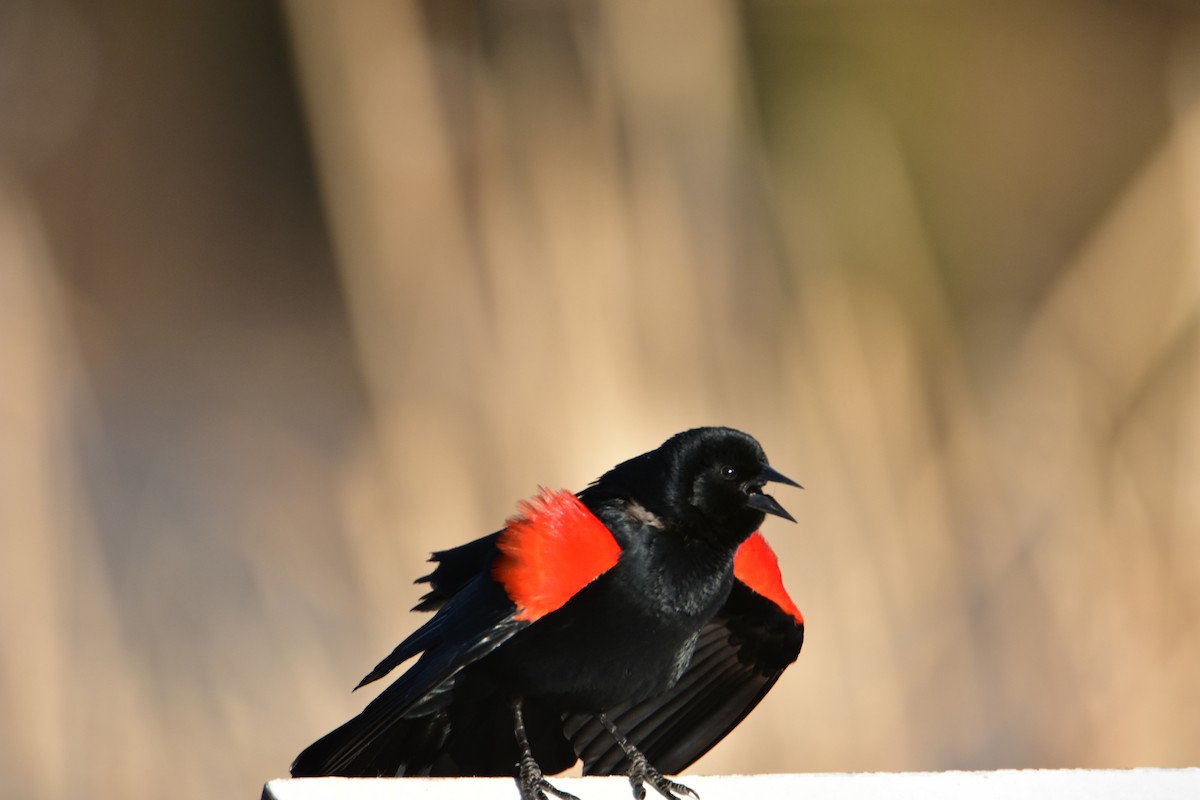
[{"x": 630, "y": 626}]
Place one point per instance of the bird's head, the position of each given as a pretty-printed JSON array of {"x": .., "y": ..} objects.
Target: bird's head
[{"x": 706, "y": 480}]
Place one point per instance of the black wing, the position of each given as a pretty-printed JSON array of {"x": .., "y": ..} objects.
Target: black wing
[
  {"x": 387, "y": 735},
  {"x": 738, "y": 657},
  {"x": 455, "y": 569}
]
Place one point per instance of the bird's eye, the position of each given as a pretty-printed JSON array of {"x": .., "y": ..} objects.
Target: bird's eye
[{"x": 728, "y": 473}]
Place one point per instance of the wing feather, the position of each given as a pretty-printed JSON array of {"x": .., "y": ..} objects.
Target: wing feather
[
  {"x": 472, "y": 624},
  {"x": 739, "y": 656},
  {"x": 484, "y": 592}
]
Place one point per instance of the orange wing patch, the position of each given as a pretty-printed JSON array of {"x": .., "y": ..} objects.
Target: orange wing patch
[
  {"x": 550, "y": 551},
  {"x": 755, "y": 565}
]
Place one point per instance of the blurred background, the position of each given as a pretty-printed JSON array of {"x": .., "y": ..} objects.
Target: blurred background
[{"x": 292, "y": 294}]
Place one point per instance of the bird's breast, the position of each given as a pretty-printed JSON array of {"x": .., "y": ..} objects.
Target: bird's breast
[{"x": 626, "y": 636}]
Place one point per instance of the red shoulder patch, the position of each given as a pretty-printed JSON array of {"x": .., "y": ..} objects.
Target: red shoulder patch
[
  {"x": 755, "y": 565},
  {"x": 550, "y": 551}
]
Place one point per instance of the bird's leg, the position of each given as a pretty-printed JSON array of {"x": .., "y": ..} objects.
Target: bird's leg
[
  {"x": 641, "y": 772},
  {"x": 530, "y": 780}
]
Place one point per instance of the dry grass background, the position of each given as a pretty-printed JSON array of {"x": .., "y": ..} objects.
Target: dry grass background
[{"x": 290, "y": 296}]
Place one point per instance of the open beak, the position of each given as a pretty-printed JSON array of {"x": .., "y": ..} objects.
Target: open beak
[
  {"x": 768, "y": 505},
  {"x": 764, "y": 502},
  {"x": 772, "y": 475}
]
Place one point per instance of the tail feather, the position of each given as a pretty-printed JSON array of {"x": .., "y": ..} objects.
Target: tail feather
[
  {"x": 472, "y": 735},
  {"x": 407, "y": 746}
]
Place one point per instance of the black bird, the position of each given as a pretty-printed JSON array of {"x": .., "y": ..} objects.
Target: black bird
[{"x": 632, "y": 626}]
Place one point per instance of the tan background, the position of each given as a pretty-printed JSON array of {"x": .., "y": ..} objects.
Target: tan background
[{"x": 290, "y": 296}]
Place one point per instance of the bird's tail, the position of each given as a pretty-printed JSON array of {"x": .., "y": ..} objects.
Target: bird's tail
[
  {"x": 369, "y": 747},
  {"x": 470, "y": 735}
]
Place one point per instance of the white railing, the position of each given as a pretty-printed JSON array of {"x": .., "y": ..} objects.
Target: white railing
[{"x": 1151, "y": 784}]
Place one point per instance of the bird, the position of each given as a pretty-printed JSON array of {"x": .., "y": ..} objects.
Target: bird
[{"x": 631, "y": 625}]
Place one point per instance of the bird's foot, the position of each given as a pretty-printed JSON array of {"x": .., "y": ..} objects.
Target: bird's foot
[
  {"x": 533, "y": 783},
  {"x": 641, "y": 773}
]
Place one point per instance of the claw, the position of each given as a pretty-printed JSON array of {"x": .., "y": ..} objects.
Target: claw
[
  {"x": 641, "y": 772},
  {"x": 533, "y": 784},
  {"x": 531, "y": 781}
]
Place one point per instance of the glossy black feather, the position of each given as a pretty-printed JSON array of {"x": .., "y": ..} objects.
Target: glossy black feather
[
  {"x": 477, "y": 620},
  {"x": 455, "y": 568},
  {"x": 666, "y": 642},
  {"x": 738, "y": 658}
]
